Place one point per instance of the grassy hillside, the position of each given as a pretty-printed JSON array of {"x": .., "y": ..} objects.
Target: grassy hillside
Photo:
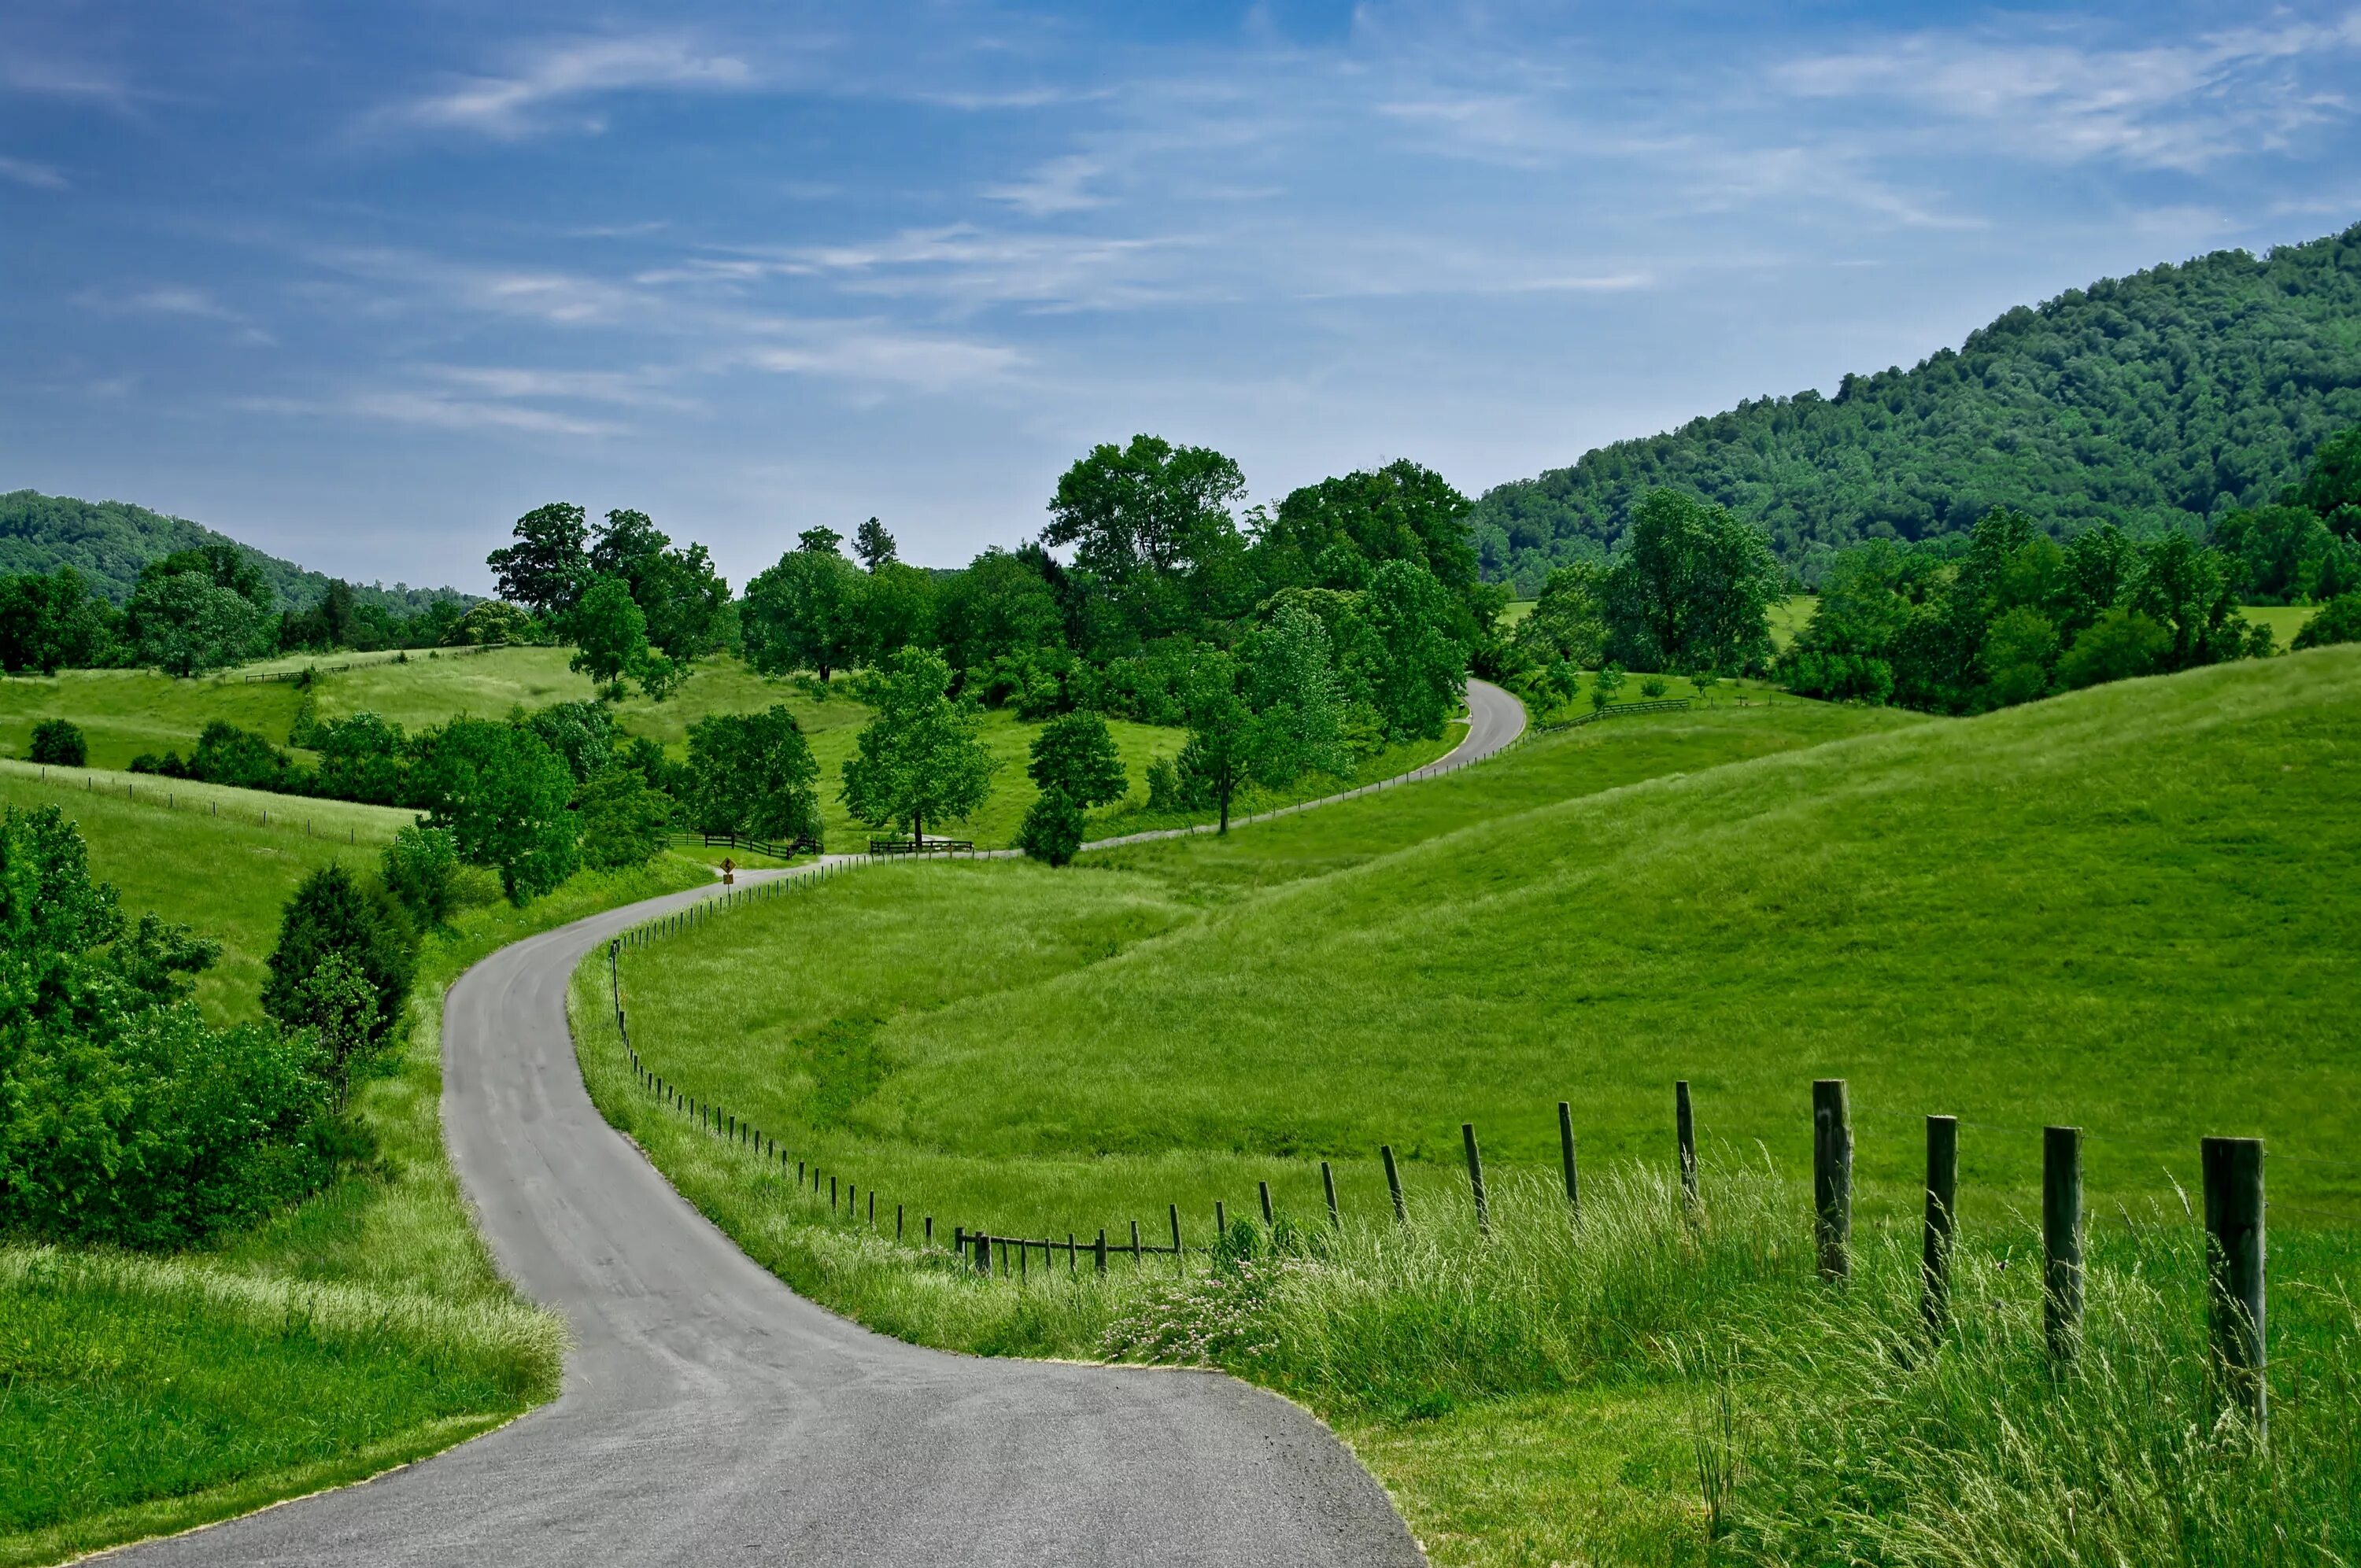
[
  {"x": 362, "y": 1329},
  {"x": 109, "y": 541},
  {"x": 2124, "y": 909},
  {"x": 2147, "y": 401},
  {"x": 125, "y": 712}
]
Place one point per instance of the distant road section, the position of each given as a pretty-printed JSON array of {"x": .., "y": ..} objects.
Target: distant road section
[
  {"x": 1494, "y": 719},
  {"x": 711, "y": 1415}
]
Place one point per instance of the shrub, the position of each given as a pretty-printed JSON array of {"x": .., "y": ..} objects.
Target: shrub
[
  {"x": 2119, "y": 645},
  {"x": 1074, "y": 756},
  {"x": 622, "y": 821},
  {"x": 1603, "y": 685},
  {"x": 1164, "y": 791},
  {"x": 351, "y": 930},
  {"x": 420, "y": 869},
  {"x": 1653, "y": 688},
  {"x": 1052, "y": 829},
  {"x": 2338, "y": 620},
  {"x": 59, "y": 743}
]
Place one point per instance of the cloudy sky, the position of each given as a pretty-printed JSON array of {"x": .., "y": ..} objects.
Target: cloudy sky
[{"x": 359, "y": 285}]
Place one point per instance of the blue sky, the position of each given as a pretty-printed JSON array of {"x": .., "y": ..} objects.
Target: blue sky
[{"x": 360, "y": 284}]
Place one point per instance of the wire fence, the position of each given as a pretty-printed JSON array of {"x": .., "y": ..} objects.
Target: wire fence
[{"x": 167, "y": 798}]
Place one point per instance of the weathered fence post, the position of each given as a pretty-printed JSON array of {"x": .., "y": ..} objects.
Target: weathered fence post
[
  {"x": 1393, "y": 1184},
  {"x": 1221, "y": 1220},
  {"x": 2235, "y": 1254},
  {"x": 1942, "y": 1197},
  {"x": 1565, "y": 1154},
  {"x": 1475, "y": 1177},
  {"x": 2061, "y": 1239},
  {"x": 930, "y": 1232},
  {"x": 1098, "y": 1253},
  {"x": 1264, "y": 1187},
  {"x": 1685, "y": 1134},
  {"x": 958, "y": 1239},
  {"x": 1175, "y": 1210},
  {"x": 897, "y": 1222},
  {"x": 872, "y": 1208},
  {"x": 1832, "y": 1176},
  {"x": 984, "y": 1254},
  {"x": 1328, "y": 1189}
]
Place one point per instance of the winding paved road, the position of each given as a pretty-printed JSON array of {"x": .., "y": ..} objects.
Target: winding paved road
[{"x": 711, "y": 1415}]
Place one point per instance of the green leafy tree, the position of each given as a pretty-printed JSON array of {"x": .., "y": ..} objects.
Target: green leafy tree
[
  {"x": 186, "y": 624},
  {"x": 678, "y": 590},
  {"x": 622, "y": 821},
  {"x": 502, "y": 794},
  {"x": 1420, "y": 672},
  {"x": 1217, "y": 757},
  {"x": 51, "y": 621},
  {"x": 806, "y": 612},
  {"x": 1691, "y": 587},
  {"x": 896, "y": 610},
  {"x": 1569, "y": 620},
  {"x": 335, "y": 915},
  {"x": 2119, "y": 645},
  {"x": 2020, "y": 653},
  {"x": 1290, "y": 688},
  {"x": 1603, "y": 685},
  {"x": 59, "y": 743},
  {"x": 582, "y": 734},
  {"x": 751, "y": 772},
  {"x": 2338, "y": 620},
  {"x": 1076, "y": 756},
  {"x": 1156, "y": 548},
  {"x": 547, "y": 567},
  {"x": 1334, "y": 533},
  {"x": 611, "y": 635},
  {"x": 1053, "y": 827},
  {"x": 495, "y": 623},
  {"x": 420, "y": 869},
  {"x": 1001, "y": 606},
  {"x": 919, "y": 761},
  {"x": 873, "y": 544}
]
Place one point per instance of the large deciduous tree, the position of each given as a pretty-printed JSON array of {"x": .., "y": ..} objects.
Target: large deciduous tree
[
  {"x": 547, "y": 567},
  {"x": 186, "y": 623},
  {"x": 805, "y": 613},
  {"x": 50, "y": 622},
  {"x": 504, "y": 795},
  {"x": 919, "y": 761},
  {"x": 1419, "y": 673},
  {"x": 1291, "y": 688},
  {"x": 753, "y": 773},
  {"x": 1691, "y": 588},
  {"x": 1156, "y": 548},
  {"x": 1076, "y": 767},
  {"x": 611, "y": 636}
]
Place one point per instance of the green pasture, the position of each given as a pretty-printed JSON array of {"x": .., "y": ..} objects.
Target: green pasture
[
  {"x": 358, "y": 1331},
  {"x": 2122, "y": 909}
]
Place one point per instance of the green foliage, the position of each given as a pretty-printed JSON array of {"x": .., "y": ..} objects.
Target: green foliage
[
  {"x": 1052, "y": 829},
  {"x": 124, "y": 1116},
  {"x": 59, "y": 743},
  {"x": 1164, "y": 786},
  {"x": 1568, "y": 623},
  {"x": 610, "y": 634},
  {"x": 546, "y": 569},
  {"x": 1156, "y": 548},
  {"x": 624, "y": 822},
  {"x": 184, "y": 623},
  {"x": 2154, "y": 402},
  {"x": 896, "y": 606},
  {"x": 1290, "y": 688},
  {"x": 581, "y": 732},
  {"x": 999, "y": 606},
  {"x": 1218, "y": 755},
  {"x": 502, "y": 794},
  {"x": 358, "y": 933},
  {"x": 420, "y": 869},
  {"x": 1076, "y": 758},
  {"x": 2339, "y": 620},
  {"x": 873, "y": 544},
  {"x": 1335, "y": 534},
  {"x": 1652, "y": 688},
  {"x": 678, "y": 591},
  {"x": 494, "y": 623},
  {"x": 805, "y": 613},
  {"x": 918, "y": 761},
  {"x": 753, "y": 772},
  {"x": 50, "y": 622},
  {"x": 1419, "y": 673},
  {"x": 1690, "y": 589},
  {"x": 1603, "y": 685}
]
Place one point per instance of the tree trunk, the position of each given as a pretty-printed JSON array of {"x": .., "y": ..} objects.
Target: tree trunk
[
  {"x": 1226, "y": 808},
  {"x": 918, "y": 828}
]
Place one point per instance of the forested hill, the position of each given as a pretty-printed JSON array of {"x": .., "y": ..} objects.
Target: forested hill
[
  {"x": 108, "y": 541},
  {"x": 2154, "y": 402}
]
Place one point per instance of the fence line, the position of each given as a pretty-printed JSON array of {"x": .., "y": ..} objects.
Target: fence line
[
  {"x": 286, "y": 823},
  {"x": 2233, "y": 1184},
  {"x": 398, "y": 656}
]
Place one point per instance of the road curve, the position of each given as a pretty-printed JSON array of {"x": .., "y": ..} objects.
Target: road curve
[
  {"x": 710, "y": 1414},
  {"x": 1494, "y": 720}
]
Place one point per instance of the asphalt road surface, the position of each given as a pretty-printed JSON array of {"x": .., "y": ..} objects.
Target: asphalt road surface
[{"x": 711, "y": 1415}]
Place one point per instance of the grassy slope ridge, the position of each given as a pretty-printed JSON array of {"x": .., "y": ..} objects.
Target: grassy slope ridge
[
  {"x": 124, "y": 712},
  {"x": 359, "y": 1330},
  {"x": 109, "y": 541}
]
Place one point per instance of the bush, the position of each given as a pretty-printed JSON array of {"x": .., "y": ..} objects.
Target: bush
[
  {"x": 1653, "y": 688},
  {"x": 1052, "y": 829},
  {"x": 59, "y": 743},
  {"x": 337, "y": 931},
  {"x": 2338, "y": 620},
  {"x": 124, "y": 1116},
  {"x": 1164, "y": 791},
  {"x": 622, "y": 821},
  {"x": 420, "y": 869},
  {"x": 2119, "y": 645}
]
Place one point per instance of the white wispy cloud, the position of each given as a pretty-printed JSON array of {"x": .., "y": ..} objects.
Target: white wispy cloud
[
  {"x": 25, "y": 171},
  {"x": 183, "y": 300},
  {"x": 1060, "y": 185},
  {"x": 879, "y": 354},
  {"x": 546, "y": 87}
]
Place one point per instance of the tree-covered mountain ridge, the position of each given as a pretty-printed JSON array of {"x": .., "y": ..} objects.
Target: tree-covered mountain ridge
[
  {"x": 109, "y": 541},
  {"x": 2156, "y": 401}
]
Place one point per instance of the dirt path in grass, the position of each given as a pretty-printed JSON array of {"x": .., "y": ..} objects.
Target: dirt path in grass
[{"x": 710, "y": 1414}]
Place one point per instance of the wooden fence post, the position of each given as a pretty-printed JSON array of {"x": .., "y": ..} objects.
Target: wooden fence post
[
  {"x": 1328, "y": 1189},
  {"x": 2061, "y": 1240},
  {"x": 930, "y": 1232},
  {"x": 1475, "y": 1177},
  {"x": 1685, "y": 1134},
  {"x": 1175, "y": 1210},
  {"x": 1135, "y": 1243},
  {"x": 1098, "y": 1253},
  {"x": 1221, "y": 1220},
  {"x": 1832, "y": 1176},
  {"x": 897, "y": 1222},
  {"x": 1565, "y": 1154},
  {"x": 1393, "y": 1184},
  {"x": 2235, "y": 1256},
  {"x": 1942, "y": 1200},
  {"x": 1264, "y": 1187}
]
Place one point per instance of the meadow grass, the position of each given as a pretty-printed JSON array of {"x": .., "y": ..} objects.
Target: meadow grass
[
  {"x": 361, "y": 1329},
  {"x": 2121, "y": 909}
]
